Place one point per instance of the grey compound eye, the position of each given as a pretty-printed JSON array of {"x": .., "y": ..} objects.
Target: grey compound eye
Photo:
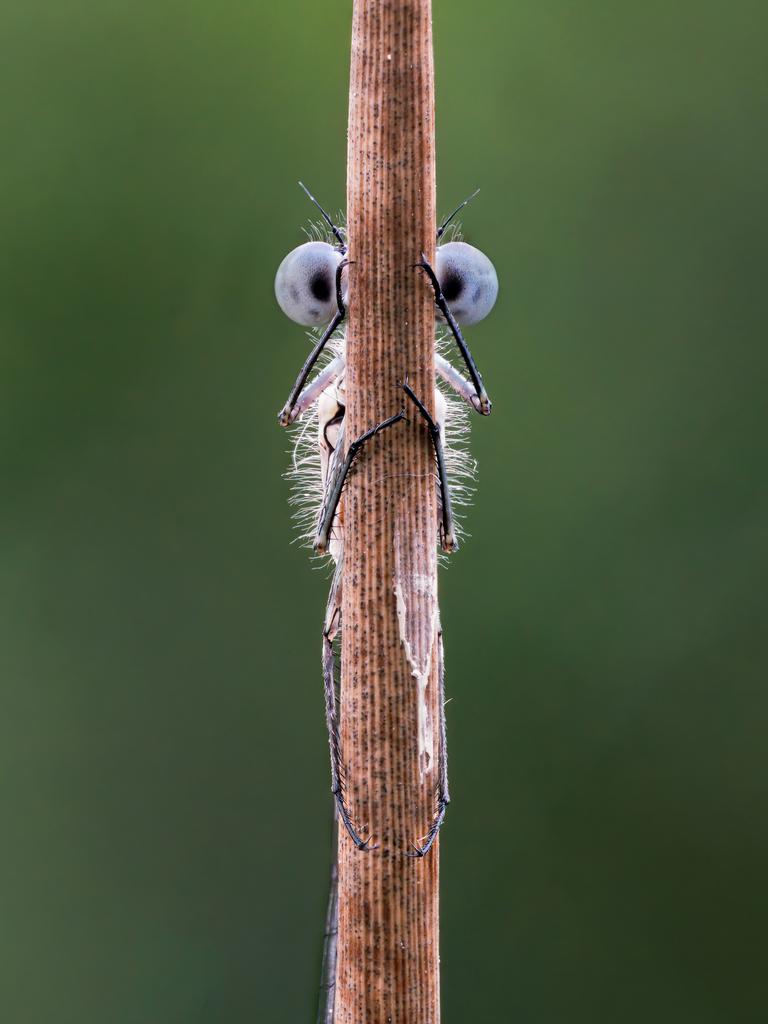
[
  {"x": 305, "y": 283},
  {"x": 467, "y": 280}
]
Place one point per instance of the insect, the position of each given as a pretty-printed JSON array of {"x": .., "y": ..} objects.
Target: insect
[{"x": 312, "y": 289}]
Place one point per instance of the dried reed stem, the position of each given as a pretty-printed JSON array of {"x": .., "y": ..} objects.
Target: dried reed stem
[{"x": 388, "y": 962}]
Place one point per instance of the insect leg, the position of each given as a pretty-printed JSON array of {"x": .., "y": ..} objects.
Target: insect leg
[
  {"x": 287, "y": 414},
  {"x": 483, "y": 405},
  {"x": 330, "y": 629},
  {"x": 443, "y": 794},
  {"x": 447, "y": 533},
  {"x": 312, "y": 391},
  {"x": 455, "y": 380},
  {"x": 333, "y": 492}
]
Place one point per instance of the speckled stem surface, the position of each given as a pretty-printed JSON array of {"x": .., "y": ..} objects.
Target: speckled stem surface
[{"x": 388, "y": 956}]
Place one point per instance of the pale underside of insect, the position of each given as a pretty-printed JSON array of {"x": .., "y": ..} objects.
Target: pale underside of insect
[{"x": 311, "y": 287}]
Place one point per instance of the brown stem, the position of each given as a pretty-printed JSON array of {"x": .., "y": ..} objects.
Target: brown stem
[{"x": 388, "y": 965}]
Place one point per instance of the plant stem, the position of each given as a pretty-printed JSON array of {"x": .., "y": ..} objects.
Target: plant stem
[{"x": 388, "y": 958}]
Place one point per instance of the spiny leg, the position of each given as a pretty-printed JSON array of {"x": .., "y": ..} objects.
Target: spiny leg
[
  {"x": 287, "y": 414},
  {"x": 483, "y": 401},
  {"x": 330, "y": 629},
  {"x": 333, "y": 492},
  {"x": 443, "y": 794},
  {"x": 447, "y": 532}
]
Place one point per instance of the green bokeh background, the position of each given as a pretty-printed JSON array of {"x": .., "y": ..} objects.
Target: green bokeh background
[{"x": 164, "y": 789}]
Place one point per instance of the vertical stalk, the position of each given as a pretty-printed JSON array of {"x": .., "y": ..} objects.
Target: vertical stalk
[{"x": 388, "y": 958}]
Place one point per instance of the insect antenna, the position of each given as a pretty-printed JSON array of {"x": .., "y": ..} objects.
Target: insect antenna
[
  {"x": 336, "y": 231},
  {"x": 449, "y": 218}
]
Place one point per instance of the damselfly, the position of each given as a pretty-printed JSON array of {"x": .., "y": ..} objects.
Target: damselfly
[{"x": 312, "y": 288}]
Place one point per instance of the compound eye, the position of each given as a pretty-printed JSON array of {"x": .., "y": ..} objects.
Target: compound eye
[
  {"x": 467, "y": 280},
  {"x": 305, "y": 283}
]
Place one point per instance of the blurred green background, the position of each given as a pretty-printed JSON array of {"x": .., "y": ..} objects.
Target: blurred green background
[{"x": 164, "y": 784}]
